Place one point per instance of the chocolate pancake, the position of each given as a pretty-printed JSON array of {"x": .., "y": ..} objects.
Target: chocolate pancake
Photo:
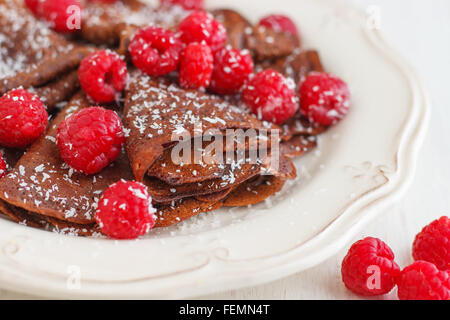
[
  {"x": 111, "y": 23},
  {"x": 162, "y": 192},
  {"x": 254, "y": 191},
  {"x": 29, "y": 219},
  {"x": 237, "y": 26},
  {"x": 59, "y": 90},
  {"x": 30, "y": 53},
  {"x": 157, "y": 111},
  {"x": 42, "y": 183},
  {"x": 178, "y": 211},
  {"x": 297, "y": 146},
  {"x": 299, "y": 125}
]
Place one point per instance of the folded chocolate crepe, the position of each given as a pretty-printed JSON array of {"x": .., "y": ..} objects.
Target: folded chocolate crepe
[
  {"x": 112, "y": 23},
  {"x": 30, "y": 53},
  {"x": 157, "y": 112}
]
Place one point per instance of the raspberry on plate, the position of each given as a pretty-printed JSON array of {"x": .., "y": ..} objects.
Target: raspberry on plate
[
  {"x": 156, "y": 51},
  {"x": 324, "y": 98},
  {"x": 196, "y": 66},
  {"x": 279, "y": 23},
  {"x": 125, "y": 210},
  {"x": 271, "y": 96},
  {"x": 23, "y": 118},
  {"x": 33, "y": 5},
  {"x": 185, "y": 4},
  {"x": 423, "y": 281},
  {"x": 3, "y": 167},
  {"x": 63, "y": 15},
  {"x": 432, "y": 244},
  {"x": 369, "y": 268},
  {"x": 201, "y": 26},
  {"x": 103, "y": 76},
  {"x": 232, "y": 69},
  {"x": 90, "y": 139}
]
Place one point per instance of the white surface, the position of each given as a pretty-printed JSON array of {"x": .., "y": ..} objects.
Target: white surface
[{"x": 428, "y": 198}]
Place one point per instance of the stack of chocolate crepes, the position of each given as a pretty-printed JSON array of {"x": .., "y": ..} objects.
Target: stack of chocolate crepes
[{"x": 40, "y": 190}]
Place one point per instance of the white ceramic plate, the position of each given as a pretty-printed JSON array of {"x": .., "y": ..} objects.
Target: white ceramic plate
[{"x": 362, "y": 163}]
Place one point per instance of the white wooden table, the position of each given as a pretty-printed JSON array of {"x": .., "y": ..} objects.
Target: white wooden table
[{"x": 420, "y": 30}]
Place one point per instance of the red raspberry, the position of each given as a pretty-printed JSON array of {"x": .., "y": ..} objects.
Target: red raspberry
[
  {"x": 90, "y": 139},
  {"x": 201, "y": 26},
  {"x": 196, "y": 66},
  {"x": 155, "y": 51},
  {"x": 63, "y": 15},
  {"x": 33, "y": 5},
  {"x": 271, "y": 96},
  {"x": 423, "y": 281},
  {"x": 369, "y": 268},
  {"x": 125, "y": 210},
  {"x": 103, "y": 76},
  {"x": 23, "y": 118},
  {"x": 432, "y": 244},
  {"x": 232, "y": 68},
  {"x": 3, "y": 167},
  {"x": 324, "y": 98},
  {"x": 279, "y": 23},
  {"x": 186, "y": 4}
]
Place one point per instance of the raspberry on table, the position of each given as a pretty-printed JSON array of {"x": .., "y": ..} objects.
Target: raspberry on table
[
  {"x": 201, "y": 26},
  {"x": 423, "y": 281},
  {"x": 324, "y": 98},
  {"x": 103, "y": 76},
  {"x": 156, "y": 51},
  {"x": 369, "y": 268},
  {"x": 90, "y": 139},
  {"x": 62, "y": 14},
  {"x": 196, "y": 66},
  {"x": 23, "y": 118},
  {"x": 125, "y": 210},
  {"x": 280, "y": 23},
  {"x": 185, "y": 4},
  {"x": 232, "y": 69},
  {"x": 3, "y": 166},
  {"x": 270, "y": 96},
  {"x": 432, "y": 244}
]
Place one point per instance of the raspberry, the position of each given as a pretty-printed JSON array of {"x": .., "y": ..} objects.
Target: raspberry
[
  {"x": 33, "y": 5},
  {"x": 432, "y": 244},
  {"x": 324, "y": 98},
  {"x": 23, "y": 118},
  {"x": 232, "y": 69},
  {"x": 155, "y": 51},
  {"x": 369, "y": 268},
  {"x": 186, "y": 4},
  {"x": 125, "y": 210},
  {"x": 103, "y": 75},
  {"x": 423, "y": 281},
  {"x": 201, "y": 26},
  {"x": 63, "y": 15},
  {"x": 3, "y": 167},
  {"x": 196, "y": 66},
  {"x": 271, "y": 96},
  {"x": 90, "y": 139},
  {"x": 279, "y": 23}
]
